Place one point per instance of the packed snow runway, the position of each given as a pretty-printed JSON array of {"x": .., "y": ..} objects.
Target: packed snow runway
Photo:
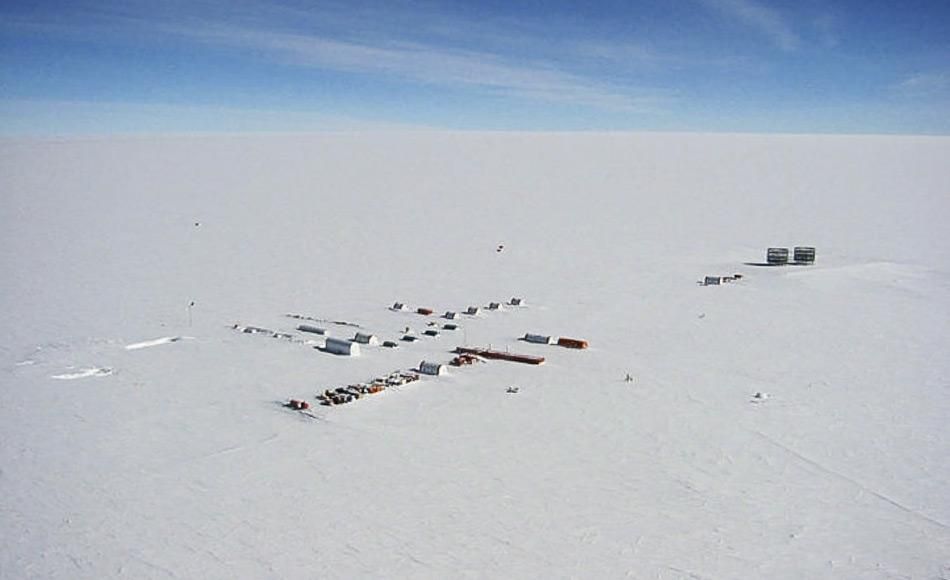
[{"x": 791, "y": 423}]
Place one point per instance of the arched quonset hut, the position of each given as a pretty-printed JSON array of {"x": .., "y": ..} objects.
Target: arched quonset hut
[
  {"x": 342, "y": 347},
  {"x": 431, "y": 368},
  {"x": 311, "y": 329},
  {"x": 365, "y": 338}
]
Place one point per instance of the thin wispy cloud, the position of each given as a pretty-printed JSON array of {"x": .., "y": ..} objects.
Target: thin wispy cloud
[
  {"x": 427, "y": 63},
  {"x": 563, "y": 65},
  {"x": 929, "y": 84},
  {"x": 621, "y": 52},
  {"x": 761, "y": 18},
  {"x": 624, "y": 56},
  {"x": 417, "y": 46},
  {"x": 21, "y": 116},
  {"x": 826, "y": 28}
]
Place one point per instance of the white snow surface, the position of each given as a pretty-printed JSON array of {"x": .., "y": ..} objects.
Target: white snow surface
[
  {"x": 154, "y": 342},
  {"x": 183, "y": 464}
]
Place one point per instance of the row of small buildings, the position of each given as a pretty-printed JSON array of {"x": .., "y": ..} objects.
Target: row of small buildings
[{"x": 454, "y": 315}]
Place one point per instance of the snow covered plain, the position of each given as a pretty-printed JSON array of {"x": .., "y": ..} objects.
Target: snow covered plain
[{"x": 142, "y": 437}]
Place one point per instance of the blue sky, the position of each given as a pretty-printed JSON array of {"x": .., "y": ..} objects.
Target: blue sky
[{"x": 78, "y": 67}]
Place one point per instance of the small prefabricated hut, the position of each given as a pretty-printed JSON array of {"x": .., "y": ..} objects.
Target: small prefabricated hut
[
  {"x": 431, "y": 368},
  {"x": 398, "y": 306},
  {"x": 424, "y": 311},
  {"x": 343, "y": 347},
  {"x": 364, "y": 338},
  {"x": 516, "y": 302},
  {"x": 777, "y": 256},
  {"x": 539, "y": 339},
  {"x": 473, "y": 310},
  {"x": 431, "y": 332},
  {"x": 450, "y": 327},
  {"x": 494, "y": 306},
  {"x": 804, "y": 255},
  {"x": 450, "y": 315},
  {"x": 712, "y": 281}
]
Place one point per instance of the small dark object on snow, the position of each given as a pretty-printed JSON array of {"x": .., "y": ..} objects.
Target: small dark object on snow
[
  {"x": 431, "y": 332},
  {"x": 513, "y": 390},
  {"x": 464, "y": 359},
  {"x": 298, "y": 405}
]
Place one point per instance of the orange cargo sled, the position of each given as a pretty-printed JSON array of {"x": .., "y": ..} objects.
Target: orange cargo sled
[{"x": 572, "y": 343}]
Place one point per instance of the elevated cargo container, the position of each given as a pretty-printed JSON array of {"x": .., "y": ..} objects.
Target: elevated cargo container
[
  {"x": 804, "y": 255},
  {"x": 777, "y": 256}
]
